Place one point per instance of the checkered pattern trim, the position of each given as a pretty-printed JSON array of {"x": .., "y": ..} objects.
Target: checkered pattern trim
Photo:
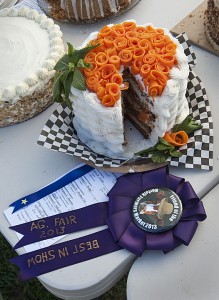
[
  {"x": 58, "y": 133},
  {"x": 198, "y": 152},
  {"x": 188, "y": 50}
]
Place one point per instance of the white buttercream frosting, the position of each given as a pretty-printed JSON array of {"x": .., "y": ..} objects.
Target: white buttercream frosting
[
  {"x": 30, "y": 47},
  {"x": 102, "y": 128},
  {"x": 101, "y": 125}
]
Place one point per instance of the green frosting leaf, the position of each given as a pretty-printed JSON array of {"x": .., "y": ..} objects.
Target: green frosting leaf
[
  {"x": 68, "y": 73},
  {"x": 82, "y": 64},
  {"x": 70, "y": 49},
  {"x": 175, "y": 153},
  {"x": 163, "y": 145},
  {"x": 162, "y": 150},
  {"x": 145, "y": 152},
  {"x": 78, "y": 80},
  {"x": 80, "y": 54},
  {"x": 189, "y": 125},
  {"x": 159, "y": 157},
  {"x": 67, "y": 79},
  {"x": 57, "y": 88},
  {"x": 63, "y": 63}
]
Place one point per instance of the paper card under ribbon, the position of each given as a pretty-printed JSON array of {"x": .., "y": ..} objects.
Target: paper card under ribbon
[
  {"x": 59, "y": 134},
  {"x": 81, "y": 187}
]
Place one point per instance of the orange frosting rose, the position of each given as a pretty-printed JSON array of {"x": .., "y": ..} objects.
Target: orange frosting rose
[{"x": 145, "y": 50}]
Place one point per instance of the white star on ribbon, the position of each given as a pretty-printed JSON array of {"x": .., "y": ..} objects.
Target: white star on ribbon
[{"x": 24, "y": 201}]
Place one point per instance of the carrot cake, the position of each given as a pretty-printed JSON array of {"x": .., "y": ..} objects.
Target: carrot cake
[{"x": 139, "y": 72}]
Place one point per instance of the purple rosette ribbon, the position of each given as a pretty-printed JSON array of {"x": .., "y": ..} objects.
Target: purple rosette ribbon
[
  {"x": 120, "y": 221},
  {"x": 152, "y": 210}
]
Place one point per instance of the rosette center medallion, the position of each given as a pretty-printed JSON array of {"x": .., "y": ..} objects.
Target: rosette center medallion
[{"x": 157, "y": 210}]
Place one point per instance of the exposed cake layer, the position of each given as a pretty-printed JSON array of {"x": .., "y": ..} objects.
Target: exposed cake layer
[
  {"x": 86, "y": 10},
  {"x": 138, "y": 107},
  {"x": 212, "y": 23},
  {"x": 31, "y": 44},
  {"x": 163, "y": 111},
  {"x": 156, "y": 117}
]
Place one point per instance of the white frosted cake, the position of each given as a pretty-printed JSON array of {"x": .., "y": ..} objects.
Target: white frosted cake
[
  {"x": 30, "y": 46},
  {"x": 101, "y": 126}
]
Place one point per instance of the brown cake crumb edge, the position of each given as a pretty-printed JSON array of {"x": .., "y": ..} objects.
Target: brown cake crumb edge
[{"x": 27, "y": 107}]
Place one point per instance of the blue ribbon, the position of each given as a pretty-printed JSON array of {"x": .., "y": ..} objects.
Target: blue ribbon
[{"x": 68, "y": 178}]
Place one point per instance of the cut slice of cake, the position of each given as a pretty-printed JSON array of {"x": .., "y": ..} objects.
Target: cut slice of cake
[{"x": 152, "y": 63}]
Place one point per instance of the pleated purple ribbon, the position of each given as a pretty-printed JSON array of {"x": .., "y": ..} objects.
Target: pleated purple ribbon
[
  {"x": 122, "y": 231},
  {"x": 128, "y": 235}
]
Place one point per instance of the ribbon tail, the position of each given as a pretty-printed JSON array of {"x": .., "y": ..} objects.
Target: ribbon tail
[
  {"x": 66, "y": 179},
  {"x": 61, "y": 224},
  {"x": 33, "y": 264},
  {"x": 22, "y": 242}
]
